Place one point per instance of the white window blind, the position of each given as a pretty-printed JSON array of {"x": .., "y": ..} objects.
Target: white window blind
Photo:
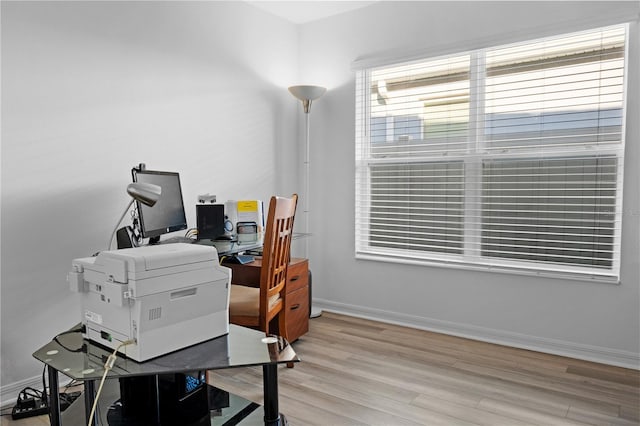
[{"x": 509, "y": 158}]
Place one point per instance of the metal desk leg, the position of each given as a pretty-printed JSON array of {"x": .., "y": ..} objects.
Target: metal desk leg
[
  {"x": 54, "y": 397},
  {"x": 89, "y": 398},
  {"x": 270, "y": 389}
]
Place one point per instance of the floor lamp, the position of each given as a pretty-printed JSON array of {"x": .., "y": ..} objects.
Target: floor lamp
[{"x": 307, "y": 94}]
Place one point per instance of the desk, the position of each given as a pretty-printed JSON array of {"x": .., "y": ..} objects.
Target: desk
[
  {"x": 297, "y": 307},
  {"x": 225, "y": 248},
  {"x": 228, "y": 247},
  {"x": 297, "y": 299},
  {"x": 241, "y": 347}
]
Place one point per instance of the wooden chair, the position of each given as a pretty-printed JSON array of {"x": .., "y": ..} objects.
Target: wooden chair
[{"x": 256, "y": 307}]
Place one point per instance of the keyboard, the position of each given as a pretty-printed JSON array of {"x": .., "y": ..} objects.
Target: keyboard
[
  {"x": 244, "y": 258},
  {"x": 238, "y": 258}
]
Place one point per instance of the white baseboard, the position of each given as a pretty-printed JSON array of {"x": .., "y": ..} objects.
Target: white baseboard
[{"x": 598, "y": 354}]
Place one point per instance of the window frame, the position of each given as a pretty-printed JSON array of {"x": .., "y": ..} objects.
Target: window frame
[{"x": 472, "y": 258}]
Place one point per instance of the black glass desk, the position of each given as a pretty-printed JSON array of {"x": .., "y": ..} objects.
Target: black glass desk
[
  {"x": 84, "y": 360},
  {"x": 226, "y": 248},
  {"x": 230, "y": 247}
]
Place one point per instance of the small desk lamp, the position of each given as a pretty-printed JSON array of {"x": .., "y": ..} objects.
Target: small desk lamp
[
  {"x": 307, "y": 94},
  {"x": 147, "y": 193}
]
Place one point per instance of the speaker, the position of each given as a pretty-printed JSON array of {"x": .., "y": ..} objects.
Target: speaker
[{"x": 210, "y": 221}]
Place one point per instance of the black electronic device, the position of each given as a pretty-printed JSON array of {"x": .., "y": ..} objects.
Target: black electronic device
[
  {"x": 167, "y": 399},
  {"x": 210, "y": 221},
  {"x": 28, "y": 408},
  {"x": 167, "y": 215},
  {"x": 126, "y": 238}
]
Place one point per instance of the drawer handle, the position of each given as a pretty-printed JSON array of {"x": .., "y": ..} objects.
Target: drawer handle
[
  {"x": 294, "y": 307},
  {"x": 295, "y": 278}
]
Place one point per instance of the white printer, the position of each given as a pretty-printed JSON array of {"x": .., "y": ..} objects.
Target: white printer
[{"x": 165, "y": 297}]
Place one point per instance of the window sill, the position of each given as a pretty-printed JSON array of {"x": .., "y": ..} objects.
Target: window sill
[{"x": 502, "y": 269}]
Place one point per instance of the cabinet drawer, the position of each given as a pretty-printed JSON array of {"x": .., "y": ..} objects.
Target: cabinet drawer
[
  {"x": 297, "y": 313},
  {"x": 297, "y": 274},
  {"x": 249, "y": 273}
]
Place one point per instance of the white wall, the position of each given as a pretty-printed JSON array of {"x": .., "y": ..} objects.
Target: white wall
[
  {"x": 583, "y": 319},
  {"x": 90, "y": 89}
]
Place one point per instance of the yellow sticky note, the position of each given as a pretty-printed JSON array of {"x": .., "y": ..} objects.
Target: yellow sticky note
[{"x": 247, "y": 206}]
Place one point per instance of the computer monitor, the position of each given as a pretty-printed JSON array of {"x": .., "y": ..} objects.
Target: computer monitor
[{"x": 167, "y": 215}]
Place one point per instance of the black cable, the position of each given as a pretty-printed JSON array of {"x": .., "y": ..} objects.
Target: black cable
[
  {"x": 32, "y": 393},
  {"x": 80, "y": 329},
  {"x": 71, "y": 384},
  {"x": 29, "y": 392},
  {"x": 24, "y": 396},
  {"x": 82, "y": 348}
]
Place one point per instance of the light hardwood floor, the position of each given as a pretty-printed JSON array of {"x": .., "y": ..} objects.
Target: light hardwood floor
[
  {"x": 356, "y": 372},
  {"x": 360, "y": 372}
]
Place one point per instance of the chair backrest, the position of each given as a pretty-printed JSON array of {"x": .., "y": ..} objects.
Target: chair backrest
[{"x": 276, "y": 253}]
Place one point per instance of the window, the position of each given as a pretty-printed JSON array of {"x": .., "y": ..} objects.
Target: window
[{"x": 508, "y": 158}]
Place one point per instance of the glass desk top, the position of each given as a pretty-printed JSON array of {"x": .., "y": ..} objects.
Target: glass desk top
[
  {"x": 225, "y": 247},
  {"x": 83, "y": 359},
  {"x": 228, "y": 247}
]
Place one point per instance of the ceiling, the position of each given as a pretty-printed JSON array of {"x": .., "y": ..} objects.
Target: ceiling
[{"x": 303, "y": 11}]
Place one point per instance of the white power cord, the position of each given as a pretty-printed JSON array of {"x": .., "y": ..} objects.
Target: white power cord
[{"x": 108, "y": 365}]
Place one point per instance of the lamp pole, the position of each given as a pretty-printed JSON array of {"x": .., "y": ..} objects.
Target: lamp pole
[
  {"x": 307, "y": 198},
  {"x": 307, "y": 94}
]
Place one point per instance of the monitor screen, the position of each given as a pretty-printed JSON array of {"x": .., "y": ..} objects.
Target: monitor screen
[{"x": 167, "y": 215}]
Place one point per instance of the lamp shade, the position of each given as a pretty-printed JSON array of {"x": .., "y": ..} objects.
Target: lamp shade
[
  {"x": 147, "y": 193},
  {"x": 308, "y": 93}
]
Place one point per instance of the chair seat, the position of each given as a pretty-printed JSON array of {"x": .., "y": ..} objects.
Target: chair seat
[{"x": 245, "y": 301}]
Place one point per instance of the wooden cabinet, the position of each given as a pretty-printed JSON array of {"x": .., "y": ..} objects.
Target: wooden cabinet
[
  {"x": 297, "y": 292},
  {"x": 297, "y": 299}
]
